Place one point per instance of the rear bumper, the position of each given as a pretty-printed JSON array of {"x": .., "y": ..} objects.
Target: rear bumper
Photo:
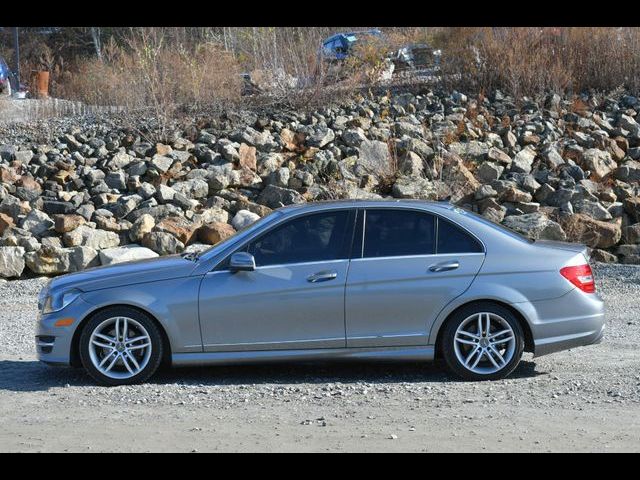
[{"x": 572, "y": 320}]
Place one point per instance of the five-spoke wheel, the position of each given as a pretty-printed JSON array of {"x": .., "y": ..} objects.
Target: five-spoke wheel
[
  {"x": 120, "y": 346},
  {"x": 482, "y": 341}
]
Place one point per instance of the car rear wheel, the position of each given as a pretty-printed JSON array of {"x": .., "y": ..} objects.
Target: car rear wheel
[
  {"x": 120, "y": 346},
  {"x": 482, "y": 342}
]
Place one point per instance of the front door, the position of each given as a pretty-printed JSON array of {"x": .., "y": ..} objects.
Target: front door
[{"x": 295, "y": 297}]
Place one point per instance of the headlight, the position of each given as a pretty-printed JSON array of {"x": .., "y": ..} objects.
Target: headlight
[{"x": 59, "y": 300}]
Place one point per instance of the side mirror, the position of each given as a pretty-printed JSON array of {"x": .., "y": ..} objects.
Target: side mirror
[{"x": 242, "y": 262}]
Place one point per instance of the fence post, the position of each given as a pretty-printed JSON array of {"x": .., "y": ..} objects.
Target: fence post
[{"x": 16, "y": 46}]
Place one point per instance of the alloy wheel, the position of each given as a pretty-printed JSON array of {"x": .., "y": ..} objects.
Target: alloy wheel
[
  {"x": 484, "y": 343},
  {"x": 120, "y": 347}
]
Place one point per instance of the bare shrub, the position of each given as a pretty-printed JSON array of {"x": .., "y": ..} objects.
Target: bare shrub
[
  {"x": 150, "y": 73},
  {"x": 531, "y": 60}
]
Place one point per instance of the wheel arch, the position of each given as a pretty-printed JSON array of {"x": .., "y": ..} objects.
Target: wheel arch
[
  {"x": 74, "y": 354},
  {"x": 529, "y": 345}
]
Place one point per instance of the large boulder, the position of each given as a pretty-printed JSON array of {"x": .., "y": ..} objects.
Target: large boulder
[
  {"x": 127, "y": 253},
  {"x": 374, "y": 157},
  {"x": 535, "y": 226},
  {"x": 67, "y": 223},
  {"x": 215, "y": 232},
  {"x": 37, "y": 222},
  {"x": 523, "y": 160},
  {"x": 594, "y": 233},
  {"x": 55, "y": 261},
  {"x": 420, "y": 188},
  {"x": 86, "y": 236},
  {"x": 599, "y": 162},
  {"x": 180, "y": 227},
  {"x": 276, "y": 197},
  {"x": 244, "y": 218},
  {"x": 462, "y": 184},
  {"x": 143, "y": 225},
  {"x": 194, "y": 188},
  {"x": 11, "y": 262},
  {"x": 163, "y": 243}
]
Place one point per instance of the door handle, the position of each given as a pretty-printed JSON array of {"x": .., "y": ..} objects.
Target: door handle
[
  {"x": 444, "y": 266},
  {"x": 322, "y": 276}
]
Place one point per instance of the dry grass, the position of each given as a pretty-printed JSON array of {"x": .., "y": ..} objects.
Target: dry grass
[
  {"x": 531, "y": 61},
  {"x": 150, "y": 73}
]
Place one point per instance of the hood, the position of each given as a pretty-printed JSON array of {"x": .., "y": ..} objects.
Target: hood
[{"x": 128, "y": 273}]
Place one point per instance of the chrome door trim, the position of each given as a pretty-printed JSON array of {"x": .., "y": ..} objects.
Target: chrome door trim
[{"x": 426, "y": 256}]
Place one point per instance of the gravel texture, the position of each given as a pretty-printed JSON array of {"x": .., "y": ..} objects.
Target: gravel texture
[{"x": 580, "y": 400}]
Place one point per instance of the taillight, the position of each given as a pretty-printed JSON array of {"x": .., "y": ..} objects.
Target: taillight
[{"x": 581, "y": 276}]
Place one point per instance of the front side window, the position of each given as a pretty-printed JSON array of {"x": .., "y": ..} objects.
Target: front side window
[
  {"x": 311, "y": 238},
  {"x": 390, "y": 233}
]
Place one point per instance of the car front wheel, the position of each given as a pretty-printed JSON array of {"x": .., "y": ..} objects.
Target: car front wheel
[
  {"x": 120, "y": 346},
  {"x": 482, "y": 342}
]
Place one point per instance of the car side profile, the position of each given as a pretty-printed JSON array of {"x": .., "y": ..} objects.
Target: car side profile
[{"x": 362, "y": 280}]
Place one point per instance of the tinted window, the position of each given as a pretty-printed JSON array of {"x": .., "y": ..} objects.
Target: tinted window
[
  {"x": 452, "y": 239},
  {"x": 311, "y": 238},
  {"x": 398, "y": 232}
]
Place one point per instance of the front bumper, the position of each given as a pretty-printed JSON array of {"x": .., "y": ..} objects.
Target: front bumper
[
  {"x": 53, "y": 344},
  {"x": 572, "y": 320}
]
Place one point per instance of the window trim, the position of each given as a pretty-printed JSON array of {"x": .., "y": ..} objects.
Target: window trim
[
  {"x": 437, "y": 228},
  {"x": 351, "y": 224}
]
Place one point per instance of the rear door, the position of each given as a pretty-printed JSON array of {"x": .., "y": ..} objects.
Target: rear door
[{"x": 408, "y": 264}]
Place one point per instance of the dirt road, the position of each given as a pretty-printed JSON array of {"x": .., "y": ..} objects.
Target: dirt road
[{"x": 587, "y": 399}]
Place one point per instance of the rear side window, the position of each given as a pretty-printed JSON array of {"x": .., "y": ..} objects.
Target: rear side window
[
  {"x": 311, "y": 238},
  {"x": 390, "y": 233},
  {"x": 452, "y": 239}
]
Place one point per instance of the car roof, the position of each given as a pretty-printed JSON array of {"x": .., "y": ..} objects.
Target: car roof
[{"x": 363, "y": 203}]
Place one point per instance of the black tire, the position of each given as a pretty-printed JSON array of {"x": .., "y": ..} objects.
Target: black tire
[
  {"x": 455, "y": 366},
  {"x": 154, "y": 334}
]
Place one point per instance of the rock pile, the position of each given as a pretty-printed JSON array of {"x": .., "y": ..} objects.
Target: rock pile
[{"x": 555, "y": 169}]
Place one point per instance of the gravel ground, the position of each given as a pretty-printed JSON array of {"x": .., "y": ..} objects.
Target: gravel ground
[{"x": 580, "y": 400}]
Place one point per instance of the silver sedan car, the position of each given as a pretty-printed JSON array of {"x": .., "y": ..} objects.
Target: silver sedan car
[{"x": 362, "y": 280}]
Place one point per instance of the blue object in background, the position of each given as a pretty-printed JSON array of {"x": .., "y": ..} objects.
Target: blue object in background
[{"x": 338, "y": 46}]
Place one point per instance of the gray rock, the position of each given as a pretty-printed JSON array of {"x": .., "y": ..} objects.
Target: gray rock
[
  {"x": 37, "y": 222},
  {"x": 161, "y": 163},
  {"x": 127, "y": 253},
  {"x": 86, "y": 236},
  {"x": 11, "y": 262},
  {"x": 353, "y": 137},
  {"x": 374, "y": 157},
  {"x": 243, "y": 218},
  {"x": 120, "y": 160},
  {"x": 599, "y": 162},
  {"x": 535, "y": 226},
  {"x": 488, "y": 171},
  {"x": 523, "y": 160},
  {"x": 420, "y": 188},
  {"x": 143, "y": 225},
  {"x": 276, "y": 197},
  {"x": 194, "y": 188},
  {"x": 162, "y": 243}
]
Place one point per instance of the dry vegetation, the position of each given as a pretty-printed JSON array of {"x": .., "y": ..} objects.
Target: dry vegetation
[
  {"x": 530, "y": 61},
  {"x": 165, "y": 68}
]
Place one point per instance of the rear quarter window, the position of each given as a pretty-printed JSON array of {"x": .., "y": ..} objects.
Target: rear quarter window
[{"x": 453, "y": 239}]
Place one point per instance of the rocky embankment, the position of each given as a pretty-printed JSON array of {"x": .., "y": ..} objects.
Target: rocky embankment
[{"x": 99, "y": 193}]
